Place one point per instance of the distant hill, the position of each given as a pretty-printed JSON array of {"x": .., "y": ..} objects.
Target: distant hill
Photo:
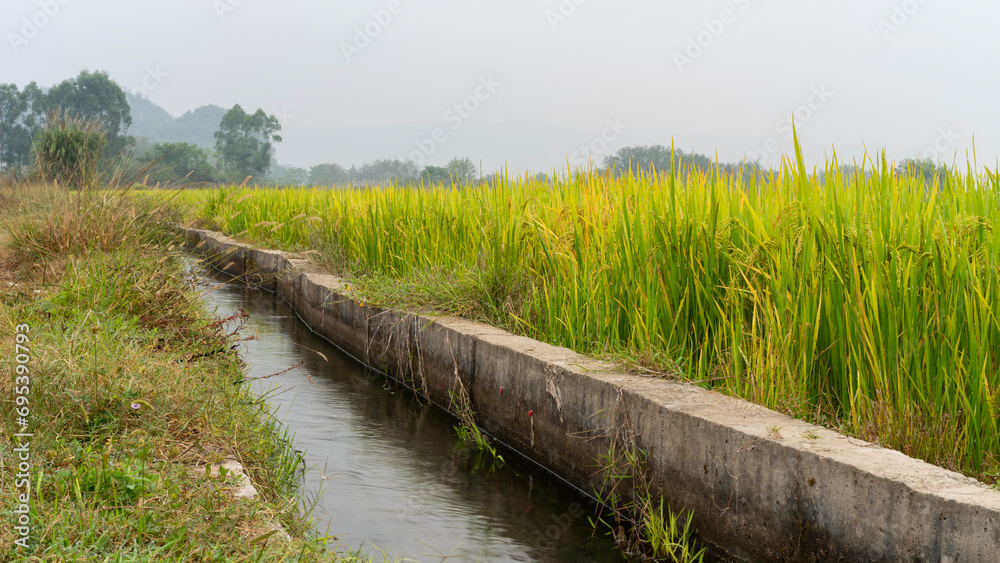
[{"x": 157, "y": 126}]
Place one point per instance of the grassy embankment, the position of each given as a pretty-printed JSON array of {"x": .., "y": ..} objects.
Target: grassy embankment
[
  {"x": 866, "y": 301},
  {"x": 132, "y": 391}
]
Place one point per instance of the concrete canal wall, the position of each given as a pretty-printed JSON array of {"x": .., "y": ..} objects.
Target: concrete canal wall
[{"x": 763, "y": 486}]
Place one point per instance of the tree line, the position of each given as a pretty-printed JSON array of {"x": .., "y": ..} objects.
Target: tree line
[
  {"x": 244, "y": 146},
  {"x": 244, "y": 142},
  {"x": 383, "y": 171},
  {"x": 89, "y": 96}
]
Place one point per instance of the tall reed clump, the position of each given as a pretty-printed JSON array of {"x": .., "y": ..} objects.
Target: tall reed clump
[
  {"x": 857, "y": 297},
  {"x": 70, "y": 150}
]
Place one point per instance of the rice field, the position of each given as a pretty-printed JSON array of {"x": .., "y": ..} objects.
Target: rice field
[{"x": 855, "y": 297}]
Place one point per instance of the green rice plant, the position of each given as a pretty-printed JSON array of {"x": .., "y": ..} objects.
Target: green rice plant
[
  {"x": 670, "y": 538},
  {"x": 855, "y": 296},
  {"x": 628, "y": 511},
  {"x": 467, "y": 429}
]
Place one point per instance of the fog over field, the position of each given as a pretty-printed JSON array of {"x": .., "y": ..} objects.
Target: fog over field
[{"x": 534, "y": 83}]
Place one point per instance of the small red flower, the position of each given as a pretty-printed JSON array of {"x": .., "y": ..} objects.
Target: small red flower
[
  {"x": 501, "y": 389},
  {"x": 531, "y": 413}
]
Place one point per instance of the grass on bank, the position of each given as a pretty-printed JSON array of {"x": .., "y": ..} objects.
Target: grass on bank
[
  {"x": 629, "y": 513},
  {"x": 857, "y": 298},
  {"x": 132, "y": 396}
]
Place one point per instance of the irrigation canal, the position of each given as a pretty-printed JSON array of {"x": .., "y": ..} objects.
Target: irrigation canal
[{"x": 391, "y": 474}]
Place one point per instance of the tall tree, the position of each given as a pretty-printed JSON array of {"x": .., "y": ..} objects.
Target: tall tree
[
  {"x": 295, "y": 176},
  {"x": 22, "y": 115},
  {"x": 11, "y": 109},
  {"x": 93, "y": 96},
  {"x": 244, "y": 141},
  {"x": 462, "y": 170},
  {"x": 931, "y": 172},
  {"x": 180, "y": 162},
  {"x": 654, "y": 157},
  {"x": 384, "y": 170},
  {"x": 328, "y": 175},
  {"x": 433, "y": 175}
]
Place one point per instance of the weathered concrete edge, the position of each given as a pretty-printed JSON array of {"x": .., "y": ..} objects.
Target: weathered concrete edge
[{"x": 763, "y": 486}]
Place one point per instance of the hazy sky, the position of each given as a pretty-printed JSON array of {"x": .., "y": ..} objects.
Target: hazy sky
[{"x": 536, "y": 82}]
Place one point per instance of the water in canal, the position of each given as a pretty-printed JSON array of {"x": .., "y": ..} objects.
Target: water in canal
[{"x": 394, "y": 477}]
